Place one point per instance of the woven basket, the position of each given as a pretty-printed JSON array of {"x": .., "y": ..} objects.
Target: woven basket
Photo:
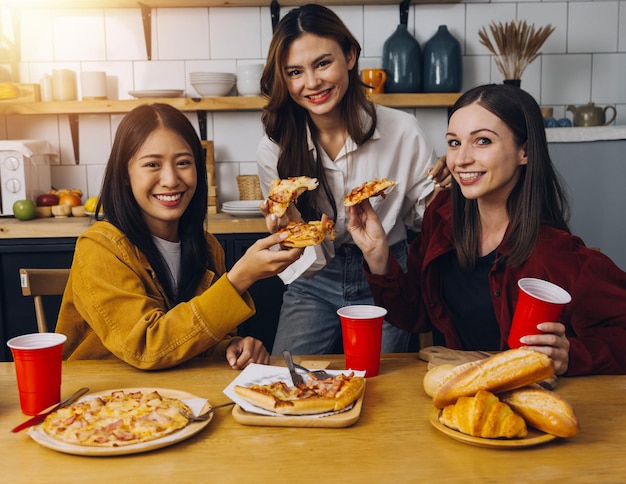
[{"x": 249, "y": 187}]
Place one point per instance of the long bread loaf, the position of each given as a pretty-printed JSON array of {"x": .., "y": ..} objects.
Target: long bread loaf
[{"x": 499, "y": 373}]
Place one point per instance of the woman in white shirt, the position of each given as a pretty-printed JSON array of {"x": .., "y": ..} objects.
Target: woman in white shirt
[{"x": 319, "y": 123}]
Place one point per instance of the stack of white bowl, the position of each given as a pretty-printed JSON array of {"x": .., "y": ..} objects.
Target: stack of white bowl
[
  {"x": 249, "y": 78},
  {"x": 212, "y": 83}
]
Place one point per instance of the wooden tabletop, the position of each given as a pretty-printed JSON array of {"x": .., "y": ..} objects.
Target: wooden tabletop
[{"x": 392, "y": 441}]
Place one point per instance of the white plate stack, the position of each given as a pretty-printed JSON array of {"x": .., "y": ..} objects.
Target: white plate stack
[
  {"x": 212, "y": 83},
  {"x": 243, "y": 208}
]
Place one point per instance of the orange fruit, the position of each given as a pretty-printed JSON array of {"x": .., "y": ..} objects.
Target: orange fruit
[{"x": 70, "y": 199}]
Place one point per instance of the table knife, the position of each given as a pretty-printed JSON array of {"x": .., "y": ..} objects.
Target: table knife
[
  {"x": 41, "y": 416},
  {"x": 296, "y": 378}
]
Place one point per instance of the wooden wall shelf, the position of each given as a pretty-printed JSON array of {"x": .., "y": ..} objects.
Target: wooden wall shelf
[
  {"x": 227, "y": 103},
  {"x": 194, "y": 3}
]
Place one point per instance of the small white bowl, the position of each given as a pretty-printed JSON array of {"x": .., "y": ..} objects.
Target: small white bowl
[{"x": 208, "y": 89}]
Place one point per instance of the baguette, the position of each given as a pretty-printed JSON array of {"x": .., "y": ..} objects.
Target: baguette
[
  {"x": 499, "y": 373},
  {"x": 544, "y": 410}
]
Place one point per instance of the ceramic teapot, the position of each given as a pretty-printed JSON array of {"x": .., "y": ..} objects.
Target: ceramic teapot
[{"x": 591, "y": 115}]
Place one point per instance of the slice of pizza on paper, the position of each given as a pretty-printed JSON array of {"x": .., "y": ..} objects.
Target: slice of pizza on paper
[
  {"x": 305, "y": 234},
  {"x": 286, "y": 191},
  {"x": 367, "y": 190},
  {"x": 268, "y": 390}
]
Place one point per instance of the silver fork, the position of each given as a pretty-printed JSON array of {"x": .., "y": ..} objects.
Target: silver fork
[
  {"x": 319, "y": 374},
  {"x": 203, "y": 416}
]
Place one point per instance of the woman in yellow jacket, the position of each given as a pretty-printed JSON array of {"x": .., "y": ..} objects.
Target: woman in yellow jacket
[{"x": 148, "y": 285}]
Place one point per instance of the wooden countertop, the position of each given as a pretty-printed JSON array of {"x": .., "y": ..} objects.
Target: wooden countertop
[
  {"x": 12, "y": 228},
  {"x": 393, "y": 440}
]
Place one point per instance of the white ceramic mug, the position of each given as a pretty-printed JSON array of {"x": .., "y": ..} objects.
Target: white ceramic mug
[{"x": 93, "y": 85}]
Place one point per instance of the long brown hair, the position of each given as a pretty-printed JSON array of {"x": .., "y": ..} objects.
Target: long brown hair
[
  {"x": 537, "y": 198},
  {"x": 286, "y": 123},
  {"x": 122, "y": 210}
]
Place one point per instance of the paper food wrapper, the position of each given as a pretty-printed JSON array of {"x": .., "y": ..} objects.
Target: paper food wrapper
[
  {"x": 266, "y": 374},
  {"x": 314, "y": 259}
]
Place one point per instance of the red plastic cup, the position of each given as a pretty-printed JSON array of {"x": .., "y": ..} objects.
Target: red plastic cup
[
  {"x": 539, "y": 301},
  {"x": 37, "y": 359},
  {"x": 362, "y": 328}
]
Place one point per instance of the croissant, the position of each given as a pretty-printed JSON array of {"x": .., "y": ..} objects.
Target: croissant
[{"x": 483, "y": 415}]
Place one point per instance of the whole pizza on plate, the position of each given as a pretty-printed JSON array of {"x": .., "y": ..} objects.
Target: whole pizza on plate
[{"x": 117, "y": 419}]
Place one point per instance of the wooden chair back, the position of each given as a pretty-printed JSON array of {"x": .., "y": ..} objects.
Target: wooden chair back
[{"x": 43, "y": 282}]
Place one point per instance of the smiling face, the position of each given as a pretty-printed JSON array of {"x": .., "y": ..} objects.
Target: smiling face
[
  {"x": 482, "y": 154},
  {"x": 316, "y": 72},
  {"x": 163, "y": 180}
]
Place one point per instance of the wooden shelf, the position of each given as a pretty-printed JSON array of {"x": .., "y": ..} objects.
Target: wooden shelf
[
  {"x": 193, "y": 3},
  {"x": 227, "y": 103}
]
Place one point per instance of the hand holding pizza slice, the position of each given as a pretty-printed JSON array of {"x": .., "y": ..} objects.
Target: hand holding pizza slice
[
  {"x": 283, "y": 192},
  {"x": 304, "y": 234},
  {"x": 367, "y": 190}
]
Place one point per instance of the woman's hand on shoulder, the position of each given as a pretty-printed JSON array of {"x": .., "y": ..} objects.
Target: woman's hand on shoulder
[
  {"x": 241, "y": 352},
  {"x": 553, "y": 343},
  {"x": 263, "y": 259},
  {"x": 369, "y": 235}
]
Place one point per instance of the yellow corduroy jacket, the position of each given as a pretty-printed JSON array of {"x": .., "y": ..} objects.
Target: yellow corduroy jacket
[{"x": 113, "y": 306}]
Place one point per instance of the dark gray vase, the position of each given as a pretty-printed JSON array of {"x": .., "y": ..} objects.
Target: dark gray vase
[
  {"x": 402, "y": 61},
  {"x": 443, "y": 68}
]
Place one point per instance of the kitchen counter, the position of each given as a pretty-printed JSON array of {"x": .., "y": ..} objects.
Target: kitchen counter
[{"x": 12, "y": 228}]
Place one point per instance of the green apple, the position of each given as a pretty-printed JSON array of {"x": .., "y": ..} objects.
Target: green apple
[{"x": 24, "y": 209}]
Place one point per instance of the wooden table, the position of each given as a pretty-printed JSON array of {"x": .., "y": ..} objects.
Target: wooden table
[{"x": 393, "y": 440}]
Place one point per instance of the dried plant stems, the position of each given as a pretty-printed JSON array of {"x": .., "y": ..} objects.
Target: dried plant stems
[{"x": 516, "y": 45}]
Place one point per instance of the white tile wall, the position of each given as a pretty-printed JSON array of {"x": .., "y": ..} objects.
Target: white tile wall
[{"x": 583, "y": 60}]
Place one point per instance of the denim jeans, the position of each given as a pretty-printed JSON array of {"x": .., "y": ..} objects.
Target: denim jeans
[{"x": 309, "y": 324}]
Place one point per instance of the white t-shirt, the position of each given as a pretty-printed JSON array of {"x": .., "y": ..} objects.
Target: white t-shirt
[
  {"x": 171, "y": 253},
  {"x": 398, "y": 150}
]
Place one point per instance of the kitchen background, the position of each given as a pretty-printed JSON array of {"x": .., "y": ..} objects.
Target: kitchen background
[{"x": 583, "y": 60}]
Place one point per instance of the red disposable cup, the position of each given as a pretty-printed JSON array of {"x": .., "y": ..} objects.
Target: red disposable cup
[
  {"x": 362, "y": 328},
  {"x": 37, "y": 358},
  {"x": 539, "y": 301}
]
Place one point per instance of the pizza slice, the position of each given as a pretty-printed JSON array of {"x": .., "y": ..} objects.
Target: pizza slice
[
  {"x": 285, "y": 191},
  {"x": 367, "y": 190},
  {"x": 313, "y": 397},
  {"x": 304, "y": 234}
]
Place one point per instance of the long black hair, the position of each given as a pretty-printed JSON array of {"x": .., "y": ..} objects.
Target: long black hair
[
  {"x": 537, "y": 198},
  {"x": 122, "y": 210}
]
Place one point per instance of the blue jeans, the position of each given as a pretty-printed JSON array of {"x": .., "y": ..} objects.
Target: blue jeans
[{"x": 309, "y": 324}]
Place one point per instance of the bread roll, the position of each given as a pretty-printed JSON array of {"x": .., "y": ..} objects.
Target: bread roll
[
  {"x": 435, "y": 377},
  {"x": 483, "y": 415},
  {"x": 544, "y": 410},
  {"x": 501, "y": 372}
]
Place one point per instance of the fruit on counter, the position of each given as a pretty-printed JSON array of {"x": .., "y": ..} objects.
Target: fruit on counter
[
  {"x": 24, "y": 209},
  {"x": 90, "y": 204},
  {"x": 47, "y": 200},
  {"x": 8, "y": 90},
  {"x": 64, "y": 191},
  {"x": 70, "y": 199}
]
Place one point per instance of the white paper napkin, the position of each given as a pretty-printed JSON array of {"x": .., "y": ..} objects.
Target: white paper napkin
[
  {"x": 266, "y": 374},
  {"x": 195, "y": 404}
]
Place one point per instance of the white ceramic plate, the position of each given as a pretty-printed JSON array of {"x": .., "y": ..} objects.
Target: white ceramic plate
[
  {"x": 41, "y": 437},
  {"x": 157, "y": 93},
  {"x": 243, "y": 204},
  {"x": 243, "y": 213}
]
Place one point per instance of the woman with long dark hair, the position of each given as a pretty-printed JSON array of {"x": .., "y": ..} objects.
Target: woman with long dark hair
[
  {"x": 320, "y": 123},
  {"x": 504, "y": 218},
  {"x": 148, "y": 284}
]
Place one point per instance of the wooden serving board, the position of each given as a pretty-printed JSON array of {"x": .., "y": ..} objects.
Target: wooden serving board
[{"x": 339, "y": 420}]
